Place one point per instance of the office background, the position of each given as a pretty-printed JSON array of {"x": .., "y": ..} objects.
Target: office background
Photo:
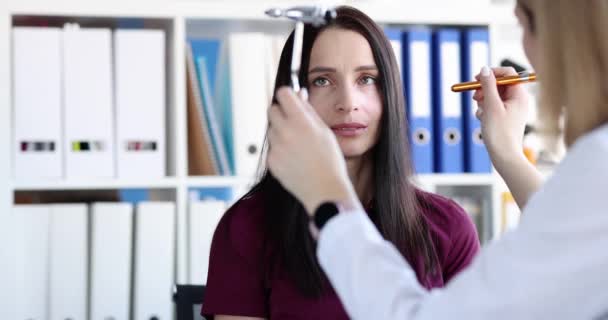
[{"x": 186, "y": 169}]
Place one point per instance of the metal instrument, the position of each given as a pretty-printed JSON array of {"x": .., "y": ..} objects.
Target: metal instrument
[{"x": 314, "y": 15}]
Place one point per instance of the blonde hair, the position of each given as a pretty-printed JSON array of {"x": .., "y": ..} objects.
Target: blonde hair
[{"x": 572, "y": 38}]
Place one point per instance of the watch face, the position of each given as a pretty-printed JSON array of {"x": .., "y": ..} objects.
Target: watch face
[{"x": 325, "y": 212}]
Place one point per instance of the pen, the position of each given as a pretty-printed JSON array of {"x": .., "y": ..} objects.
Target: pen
[{"x": 521, "y": 77}]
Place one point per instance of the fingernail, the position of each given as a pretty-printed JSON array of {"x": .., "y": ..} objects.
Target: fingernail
[
  {"x": 304, "y": 94},
  {"x": 485, "y": 71}
]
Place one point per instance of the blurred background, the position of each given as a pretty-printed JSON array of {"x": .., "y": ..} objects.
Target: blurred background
[{"x": 128, "y": 127}]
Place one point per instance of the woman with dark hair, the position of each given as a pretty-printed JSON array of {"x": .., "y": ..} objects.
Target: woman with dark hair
[{"x": 262, "y": 261}]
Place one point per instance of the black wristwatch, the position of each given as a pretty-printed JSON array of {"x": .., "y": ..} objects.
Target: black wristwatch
[{"x": 324, "y": 212}]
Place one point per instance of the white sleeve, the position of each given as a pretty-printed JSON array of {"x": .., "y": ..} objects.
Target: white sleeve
[
  {"x": 369, "y": 275},
  {"x": 552, "y": 267}
]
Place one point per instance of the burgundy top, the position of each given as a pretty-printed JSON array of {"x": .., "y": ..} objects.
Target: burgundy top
[{"x": 239, "y": 282}]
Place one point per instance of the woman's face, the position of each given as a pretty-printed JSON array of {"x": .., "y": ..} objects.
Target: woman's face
[
  {"x": 343, "y": 89},
  {"x": 529, "y": 39}
]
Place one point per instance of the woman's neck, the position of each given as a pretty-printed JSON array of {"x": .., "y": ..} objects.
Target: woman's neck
[{"x": 360, "y": 171}]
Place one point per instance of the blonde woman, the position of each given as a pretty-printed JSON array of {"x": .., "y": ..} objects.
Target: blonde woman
[{"x": 555, "y": 265}]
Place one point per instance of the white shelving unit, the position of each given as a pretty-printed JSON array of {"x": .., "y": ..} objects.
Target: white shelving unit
[
  {"x": 164, "y": 183},
  {"x": 181, "y": 19},
  {"x": 473, "y": 179}
]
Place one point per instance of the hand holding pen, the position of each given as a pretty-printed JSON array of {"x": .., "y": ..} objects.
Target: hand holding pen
[
  {"x": 517, "y": 78},
  {"x": 503, "y": 112}
]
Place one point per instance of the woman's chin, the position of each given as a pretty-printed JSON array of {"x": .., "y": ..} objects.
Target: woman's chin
[{"x": 352, "y": 151}]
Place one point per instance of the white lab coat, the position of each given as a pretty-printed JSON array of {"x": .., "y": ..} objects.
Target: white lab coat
[{"x": 553, "y": 266}]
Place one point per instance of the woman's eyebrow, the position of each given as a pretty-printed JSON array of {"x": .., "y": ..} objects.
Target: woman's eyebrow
[
  {"x": 321, "y": 69},
  {"x": 366, "y": 68},
  {"x": 333, "y": 70}
]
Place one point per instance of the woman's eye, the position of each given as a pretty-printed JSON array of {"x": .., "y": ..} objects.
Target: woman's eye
[
  {"x": 368, "y": 80},
  {"x": 320, "y": 82}
]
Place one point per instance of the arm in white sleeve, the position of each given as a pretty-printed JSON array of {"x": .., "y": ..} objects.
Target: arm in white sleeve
[
  {"x": 370, "y": 276},
  {"x": 552, "y": 267}
]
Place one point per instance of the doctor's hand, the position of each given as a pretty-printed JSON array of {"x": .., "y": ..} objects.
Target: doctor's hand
[
  {"x": 304, "y": 155},
  {"x": 503, "y": 113}
]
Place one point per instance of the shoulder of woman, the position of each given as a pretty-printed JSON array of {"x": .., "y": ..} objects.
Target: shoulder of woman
[
  {"x": 453, "y": 232},
  {"x": 235, "y": 280},
  {"x": 242, "y": 225},
  {"x": 444, "y": 215}
]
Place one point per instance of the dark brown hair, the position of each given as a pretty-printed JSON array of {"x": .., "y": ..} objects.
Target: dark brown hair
[{"x": 396, "y": 204}]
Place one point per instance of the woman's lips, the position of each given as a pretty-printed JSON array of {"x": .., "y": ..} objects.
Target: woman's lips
[{"x": 351, "y": 129}]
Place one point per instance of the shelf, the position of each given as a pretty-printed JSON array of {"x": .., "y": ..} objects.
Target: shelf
[
  {"x": 91, "y": 9},
  {"x": 215, "y": 181},
  {"x": 96, "y": 184},
  {"x": 428, "y": 12},
  {"x": 221, "y": 181},
  {"x": 427, "y": 179},
  {"x": 101, "y": 184},
  {"x": 465, "y": 179},
  {"x": 395, "y": 12}
]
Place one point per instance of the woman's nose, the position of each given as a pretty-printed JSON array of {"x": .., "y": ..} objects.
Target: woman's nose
[{"x": 347, "y": 99}]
